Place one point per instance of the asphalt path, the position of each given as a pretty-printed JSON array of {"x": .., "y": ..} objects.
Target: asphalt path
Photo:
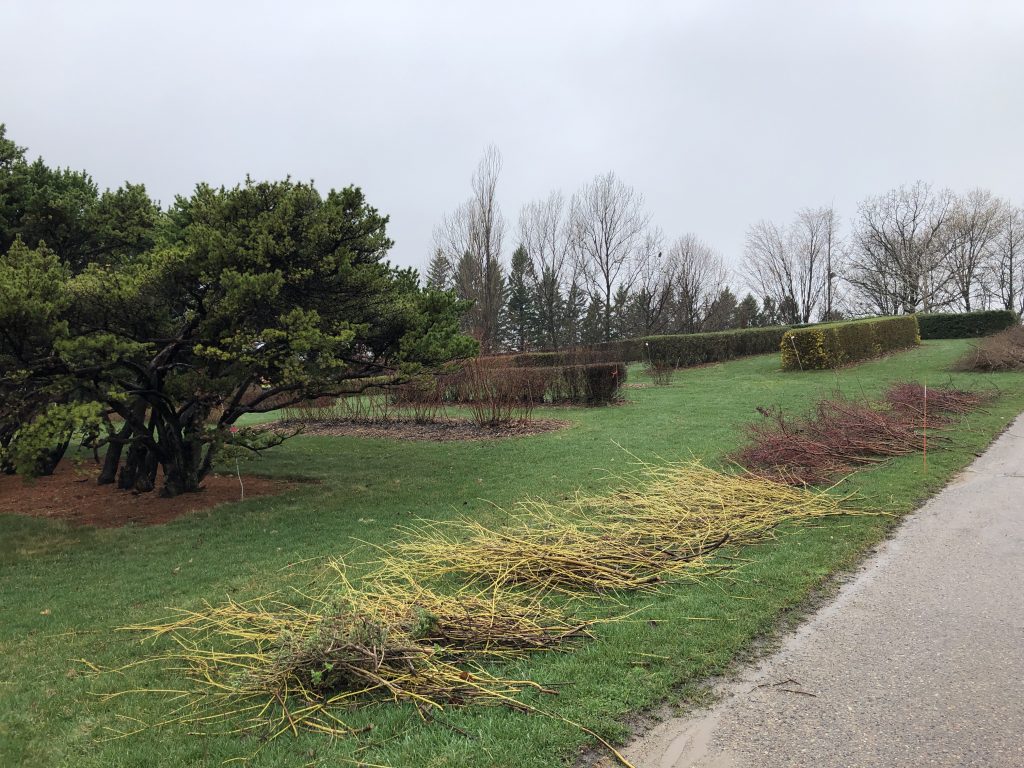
[{"x": 918, "y": 662}]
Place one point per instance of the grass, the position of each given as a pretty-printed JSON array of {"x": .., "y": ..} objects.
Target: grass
[{"x": 63, "y": 590}]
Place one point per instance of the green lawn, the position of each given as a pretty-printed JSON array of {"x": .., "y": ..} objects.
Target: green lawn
[{"x": 91, "y": 581}]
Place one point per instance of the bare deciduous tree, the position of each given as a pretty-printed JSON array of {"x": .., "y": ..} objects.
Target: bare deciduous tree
[
  {"x": 898, "y": 262},
  {"x": 543, "y": 231},
  {"x": 1006, "y": 262},
  {"x": 475, "y": 233},
  {"x": 649, "y": 308},
  {"x": 796, "y": 267},
  {"x": 820, "y": 254},
  {"x": 973, "y": 227},
  {"x": 607, "y": 229},
  {"x": 697, "y": 275}
]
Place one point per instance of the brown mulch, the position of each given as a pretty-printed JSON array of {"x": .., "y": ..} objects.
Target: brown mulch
[
  {"x": 442, "y": 431},
  {"x": 72, "y": 494}
]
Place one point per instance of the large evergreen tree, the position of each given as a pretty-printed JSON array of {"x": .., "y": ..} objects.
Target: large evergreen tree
[
  {"x": 520, "y": 314},
  {"x": 251, "y": 299}
]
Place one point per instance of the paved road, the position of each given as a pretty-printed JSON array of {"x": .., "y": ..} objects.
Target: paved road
[{"x": 919, "y": 662}]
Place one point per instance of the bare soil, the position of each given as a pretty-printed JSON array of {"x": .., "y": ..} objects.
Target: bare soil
[
  {"x": 442, "y": 431},
  {"x": 72, "y": 494}
]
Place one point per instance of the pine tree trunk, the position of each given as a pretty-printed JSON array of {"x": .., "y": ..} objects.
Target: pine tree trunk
[
  {"x": 139, "y": 470},
  {"x": 112, "y": 458},
  {"x": 183, "y": 471},
  {"x": 48, "y": 462}
]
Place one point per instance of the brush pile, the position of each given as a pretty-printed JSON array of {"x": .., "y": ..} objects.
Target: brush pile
[
  {"x": 276, "y": 666},
  {"x": 1003, "y": 351},
  {"x": 909, "y": 397},
  {"x": 842, "y": 435},
  {"x": 448, "y": 598},
  {"x": 689, "y": 502}
]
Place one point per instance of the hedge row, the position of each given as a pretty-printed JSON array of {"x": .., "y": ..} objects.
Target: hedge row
[
  {"x": 689, "y": 349},
  {"x": 583, "y": 384},
  {"x": 581, "y": 356},
  {"x": 965, "y": 325},
  {"x": 834, "y": 344}
]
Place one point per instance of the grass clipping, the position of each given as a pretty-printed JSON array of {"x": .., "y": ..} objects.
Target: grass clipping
[{"x": 449, "y": 598}]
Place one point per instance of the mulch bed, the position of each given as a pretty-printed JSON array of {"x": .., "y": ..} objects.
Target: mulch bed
[
  {"x": 72, "y": 494},
  {"x": 442, "y": 431}
]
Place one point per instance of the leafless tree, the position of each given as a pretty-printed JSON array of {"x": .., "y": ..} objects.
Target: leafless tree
[
  {"x": 796, "y": 266},
  {"x": 696, "y": 275},
  {"x": 651, "y": 302},
  {"x": 972, "y": 230},
  {"x": 543, "y": 231},
  {"x": 472, "y": 237},
  {"x": 829, "y": 253},
  {"x": 607, "y": 229},
  {"x": 1005, "y": 265},
  {"x": 898, "y": 263}
]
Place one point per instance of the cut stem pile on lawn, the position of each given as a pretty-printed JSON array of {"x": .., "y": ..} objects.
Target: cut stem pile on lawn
[
  {"x": 450, "y": 597},
  {"x": 274, "y": 666},
  {"x": 841, "y": 435},
  {"x": 909, "y": 397}
]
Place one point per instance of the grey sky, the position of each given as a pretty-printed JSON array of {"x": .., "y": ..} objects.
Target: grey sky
[{"x": 721, "y": 113}]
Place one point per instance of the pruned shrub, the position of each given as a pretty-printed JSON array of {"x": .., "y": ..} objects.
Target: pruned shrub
[
  {"x": 832, "y": 345},
  {"x": 422, "y": 399},
  {"x": 660, "y": 373},
  {"x": 965, "y": 325},
  {"x": 592, "y": 384},
  {"x": 500, "y": 396},
  {"x": 1002, "y": 352}
]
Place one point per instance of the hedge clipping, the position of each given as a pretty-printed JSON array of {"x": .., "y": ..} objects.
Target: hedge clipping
[{"x": 833, "y": 345}]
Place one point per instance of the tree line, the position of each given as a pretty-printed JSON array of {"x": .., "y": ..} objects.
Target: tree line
[{"x": 593, "y": 267}]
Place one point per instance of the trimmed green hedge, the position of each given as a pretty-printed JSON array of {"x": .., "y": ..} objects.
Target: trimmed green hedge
[
  {"x": 677, "y": 350},
  {"x": 965, "y": 325},
  {"x": 835, "y": 344},
  {"x": 689, "y": 349}
]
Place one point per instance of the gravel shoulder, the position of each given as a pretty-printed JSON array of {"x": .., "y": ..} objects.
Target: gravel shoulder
[{"x": 918, "y": 662}]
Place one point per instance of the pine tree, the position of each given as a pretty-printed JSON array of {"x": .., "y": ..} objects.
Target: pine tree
[
  {"x": 439, "y": 272},
  {"x": 592, "y": 329},
  {"x": 550, "y": 329},
  {"x": 721, "y": 314},
  {"x": 748, "y": 313},
  {"x": 520, "y": 314}
]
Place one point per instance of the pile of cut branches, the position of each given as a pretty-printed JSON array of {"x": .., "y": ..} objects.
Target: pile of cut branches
[
  {"x": 939, "y": 402},
  {"x": 841, "y": 435},
  {"x": 450, "y": 597},
  {"x": 278, "y": 666},
  {"x": 1002, "y": 351}
]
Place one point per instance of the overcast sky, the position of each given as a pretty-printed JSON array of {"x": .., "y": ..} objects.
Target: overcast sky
[{"x": 720, "y": 113}]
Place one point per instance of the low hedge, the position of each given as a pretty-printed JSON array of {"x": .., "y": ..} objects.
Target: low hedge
[
  {"x": 831, "y": 345},
  {"x": 965, "y": 325},
  {"x": 579, "y": 356},
  {"x": 588, "y": 384},
  {"x": 581, "y": 384},
  {"x": 684, "y": 350}
]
